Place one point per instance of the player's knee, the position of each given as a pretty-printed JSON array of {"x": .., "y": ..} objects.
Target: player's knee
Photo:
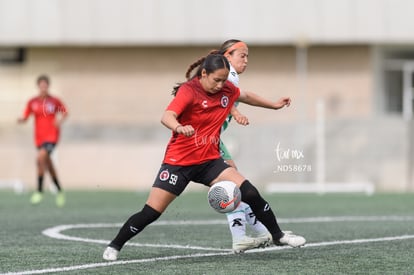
[{"x": 42, "y": 155}]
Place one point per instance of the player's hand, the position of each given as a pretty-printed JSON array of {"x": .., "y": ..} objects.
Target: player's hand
[
  {"x": 241, "y": 119},
  {"x": 282, "y": 102},
  {"x": 186, "y": 130},
  {"x": 21, "y": 120}
]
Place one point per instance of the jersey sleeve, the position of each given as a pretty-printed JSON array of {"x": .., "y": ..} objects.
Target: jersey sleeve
[
  {"x": 182, "y": 100},
  {"x": 61, "y": 108},
  {"x": 237, "y": 94},
  {"x": 235, "y": 91}
]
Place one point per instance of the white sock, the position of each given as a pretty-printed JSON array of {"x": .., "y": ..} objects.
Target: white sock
[
  {"x": 237, "y": 223},
  {"x": 257, "y": 227}
]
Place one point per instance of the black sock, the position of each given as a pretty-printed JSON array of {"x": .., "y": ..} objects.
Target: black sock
[
  {"x": 40, "y": 184},
  {"x": 261, "y": 209},
  {"x": 135, "y": 224},
  {"x": 56, "y": 182}
]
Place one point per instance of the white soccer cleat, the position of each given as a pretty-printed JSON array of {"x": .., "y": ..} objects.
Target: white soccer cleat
[
  {"x": 246, "y": 243},
  {"x": 110, "y": 254},
  {"x": 264, "y": 240},
  {"x": 290, "y": 239}
]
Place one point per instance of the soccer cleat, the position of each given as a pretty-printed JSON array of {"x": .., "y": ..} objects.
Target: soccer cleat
[
  {"x": 264, "y": 240},
  {"x": 60, "y": 199},
  {"x": 246, "y": 243},
  {"x": 110, "y": 254},
  {"x": 36, "y": 198},
  {"x": 290, "y": 239}
]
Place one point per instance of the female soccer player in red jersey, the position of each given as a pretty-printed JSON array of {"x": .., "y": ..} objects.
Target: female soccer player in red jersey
[
  {"x": 44, "y": 108},
  {"x": 195, "y": 116}
]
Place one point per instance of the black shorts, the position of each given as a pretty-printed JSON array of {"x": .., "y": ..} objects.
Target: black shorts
[
  {"x": 174, "y": 178},
  {"x": 48, "y": 146}
]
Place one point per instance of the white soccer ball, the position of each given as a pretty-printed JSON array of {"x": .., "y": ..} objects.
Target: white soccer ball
[{"x": 224, "y": 196}]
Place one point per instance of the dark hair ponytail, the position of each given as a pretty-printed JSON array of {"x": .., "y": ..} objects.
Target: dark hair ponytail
[{"x": 210, "y": 63}]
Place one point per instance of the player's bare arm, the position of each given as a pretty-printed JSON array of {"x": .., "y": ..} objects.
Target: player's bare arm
[
  {"x": 253, "y": 99},
  {"x": 169, "y": 120},
  {"x": 239, "y": 117}
]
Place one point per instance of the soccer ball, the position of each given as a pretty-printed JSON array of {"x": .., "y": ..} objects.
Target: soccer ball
[{"x": 224, "y": 196}]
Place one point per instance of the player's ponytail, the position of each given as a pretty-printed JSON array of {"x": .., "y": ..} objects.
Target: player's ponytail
[
  {"x": 188, "y": 73},
  {"x": 196, "y": 64},
  {"x": 193, "y": 66},
  {"x": 210, "y": 63}
]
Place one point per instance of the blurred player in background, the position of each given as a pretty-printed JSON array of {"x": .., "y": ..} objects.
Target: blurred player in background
[
  {"x": 195, "y": 116},
  {"x": 45, "y": 109},
  {"x": 237, "y": 53}
]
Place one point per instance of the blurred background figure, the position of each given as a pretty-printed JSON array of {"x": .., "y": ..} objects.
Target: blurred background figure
[{"x": 49, "y": 113}]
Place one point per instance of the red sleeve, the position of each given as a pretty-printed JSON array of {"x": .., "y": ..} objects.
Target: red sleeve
[
  {"x": 27, "y": 110},
  {"x": 184, "y": 98},
  {"x": 236, "y": 94},
  {"x": 61, "y": 108}
]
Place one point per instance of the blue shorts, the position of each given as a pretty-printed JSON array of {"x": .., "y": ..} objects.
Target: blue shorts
[
  {"x": 174, "y": 178},
  {"x": 48, "y": 146}
]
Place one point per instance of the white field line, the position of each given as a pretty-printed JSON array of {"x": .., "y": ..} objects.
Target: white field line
[
  {"x": 55, "y": 232},
  {"x": 105, "y": 264}
]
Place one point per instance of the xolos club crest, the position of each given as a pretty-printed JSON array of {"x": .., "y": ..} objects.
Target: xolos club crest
[
  {"x": 164, "y": 175},
  {"x": 224, "y": 101}
]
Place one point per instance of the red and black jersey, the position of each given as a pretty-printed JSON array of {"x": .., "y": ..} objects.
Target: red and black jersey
[
  {"x": 44, "y": 110},
  {"x": 206, "y": 113}
]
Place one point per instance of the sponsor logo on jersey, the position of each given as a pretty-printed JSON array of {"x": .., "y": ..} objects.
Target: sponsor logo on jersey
[
  {"x": 224, "y": 101},
  {"x": 164, "y": 175},
  {"x": 204, "y": 104}
]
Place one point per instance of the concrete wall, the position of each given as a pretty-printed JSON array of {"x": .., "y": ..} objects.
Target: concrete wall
[
  {"x": 133, "y": 85},
  {"x": 183, "y": 22},
  {"x": 116, "y": 96}
]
